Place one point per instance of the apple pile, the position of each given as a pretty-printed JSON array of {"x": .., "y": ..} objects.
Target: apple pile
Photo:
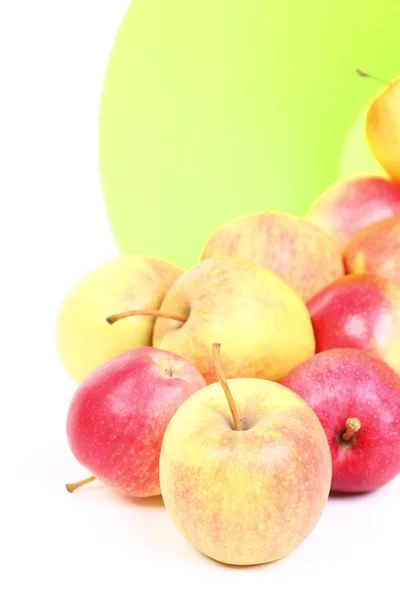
[{"x": 248, "y": 388}]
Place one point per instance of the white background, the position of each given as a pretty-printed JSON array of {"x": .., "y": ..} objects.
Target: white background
[{"x": 94, "y": 544}]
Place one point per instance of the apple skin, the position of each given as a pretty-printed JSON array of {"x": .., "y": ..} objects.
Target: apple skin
[
  {"x": 354, "y": 203},
  {"x": 382, "y": 128},
  {"x": 84, "y": 339},
  {"x": 291, "y": 247},
  {"x": 376, "y": 249},
  {"x": 118, "y": 416},
  {"x": 263, "y": 324},
  {"x": 348, "y": 383},
  {"x": 359, "y": 311},
  {"x": 245, "y": 497}
]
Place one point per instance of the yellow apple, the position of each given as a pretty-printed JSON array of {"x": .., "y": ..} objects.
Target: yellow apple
[
  {"x": 263, "y": 323},
  {"x": 383, "y": 129},
  {"x": 245, "y": 470},
  {"x": 84, "y": 338}
]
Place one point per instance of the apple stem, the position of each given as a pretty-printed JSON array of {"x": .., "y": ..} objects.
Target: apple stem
[
  {"x": 364, "y": 74},
  {"x": 352, "y": 426},
  {"x": 222, "y": 379},
  {"x": 145, "y": 313},
  {"x": 71, "y": 487}
]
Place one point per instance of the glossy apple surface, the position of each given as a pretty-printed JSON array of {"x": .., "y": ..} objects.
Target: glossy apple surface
[
  {"x": 347, "y": 384},
  {"x": 353, "y": 203},
  {"x": 118, "y": 416},
  {"x": 359, "y": 311}
]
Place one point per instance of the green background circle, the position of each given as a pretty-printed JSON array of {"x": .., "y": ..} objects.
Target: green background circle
[{"x": 216, "y": 108}]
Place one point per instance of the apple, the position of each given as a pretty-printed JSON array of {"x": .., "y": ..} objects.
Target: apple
[
  {"x": 262, "y": 321},
  {"x": 293, "y": 248},
  {"x": 118, "y": 416},
  {"x": 84, "y": 340},
  {"x": 359, "y": 311},
  {"x": 354, "y": 203},
  {"x": 245, "y": 470},
  {"x": 376, "y": 249},
  {"x": 356, "y": 397},
  {"x": 382, "y": 128}
]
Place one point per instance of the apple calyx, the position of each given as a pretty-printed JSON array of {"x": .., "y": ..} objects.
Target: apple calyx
[
  {"x": 352, "y": 426},
  {"x": 364, "y": 74},
  {"x": 145, "y": 313},
  {"x": 216, "y": 349},
  {"x": 71, "y": 487}
]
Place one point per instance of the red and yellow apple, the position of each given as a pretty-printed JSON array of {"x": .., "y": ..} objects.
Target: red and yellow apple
[
  {"x": 263, "y": 324},
  {"x": 376, "y": 249},
  {"x": 359, "y": 311},
  {"x": 119, "y": 414},
  {"x": 84, "y": 339},
  {"x": 245, "y": 482},
  {"x": 352, "y": 204},
  {"x": 382, "y": 129},
  {"x": 293, "y": 248},
  {"x": 356, "y": 397}
]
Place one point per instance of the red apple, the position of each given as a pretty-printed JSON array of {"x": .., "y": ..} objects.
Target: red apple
[
  {"x": 356, "y": 397},
  {"x": 352, "y": 204},
  {"x": 376, "y": 249},
  {"x": 118, "y": 416},
  {"x": 359, "y": 311}
]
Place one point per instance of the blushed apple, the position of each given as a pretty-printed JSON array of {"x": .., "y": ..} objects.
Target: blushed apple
[
  {"x": 359, "y": 311},
  {"x": 356, "y": 397},
  {"x": 382, "y": 128},
  {"x": 263, "y": 323},
  {"x": 245, "y": 470},
  {"x": 118, "y": 416},
  {"x": 354, "y": 203},
  {"x": 293, "y": 248},
  {"x": 376, "y": 249}
]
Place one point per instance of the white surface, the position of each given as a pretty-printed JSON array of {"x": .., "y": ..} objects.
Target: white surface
[{"x": 53, "y": 229}]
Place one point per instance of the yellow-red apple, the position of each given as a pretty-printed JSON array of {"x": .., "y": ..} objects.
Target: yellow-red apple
[
  {"x": 376, "y": 249},
  {"x": 245, "y": 482},
  {"x": 263, "y": 323},
  {"x": 293, "y": 248},
  {"x": 354, "y": 203},
  {"x": 382, "y": 129}
]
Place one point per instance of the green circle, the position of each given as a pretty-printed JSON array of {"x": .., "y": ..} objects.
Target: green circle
[{"x": 216, "y": 108}]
